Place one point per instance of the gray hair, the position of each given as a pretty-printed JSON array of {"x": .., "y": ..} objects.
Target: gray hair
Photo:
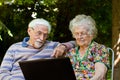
[
  {"x": 40, "y": 21},
  {"x": 86, "y": 21}
]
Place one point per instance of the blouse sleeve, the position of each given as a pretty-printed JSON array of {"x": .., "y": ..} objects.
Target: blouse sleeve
[{"x": 102, "y": 55}]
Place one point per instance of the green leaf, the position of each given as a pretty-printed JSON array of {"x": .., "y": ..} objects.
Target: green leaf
[
  {"x": 9, "y": 33},
  {"x": 0, "y": 38}
]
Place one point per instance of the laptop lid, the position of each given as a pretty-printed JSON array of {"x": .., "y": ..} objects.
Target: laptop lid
[{"x": 48, "y": 69}]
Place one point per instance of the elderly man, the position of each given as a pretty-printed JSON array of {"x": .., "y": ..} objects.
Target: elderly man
[{"x": 35, "y": 46}]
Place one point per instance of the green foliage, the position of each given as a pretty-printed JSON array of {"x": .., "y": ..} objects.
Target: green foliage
[
  {"x": 4, "y": 29},
  {"x": 22, "y": 2}
]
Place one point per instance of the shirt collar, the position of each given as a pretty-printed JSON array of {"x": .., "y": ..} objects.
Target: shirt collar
[{"x": 25, "y": 42}]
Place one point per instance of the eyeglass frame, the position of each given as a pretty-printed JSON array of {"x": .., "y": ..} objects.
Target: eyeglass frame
[{"x": 38, "y": 33}]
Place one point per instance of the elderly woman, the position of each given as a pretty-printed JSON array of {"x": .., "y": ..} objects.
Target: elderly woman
[{"x": 90, "y": 60}]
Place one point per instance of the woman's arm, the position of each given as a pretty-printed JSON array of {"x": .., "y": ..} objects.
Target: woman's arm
[{"x": 100, "y": 71}]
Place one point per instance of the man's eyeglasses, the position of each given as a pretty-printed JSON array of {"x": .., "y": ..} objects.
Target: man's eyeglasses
[{"x": 39, "y": 33}]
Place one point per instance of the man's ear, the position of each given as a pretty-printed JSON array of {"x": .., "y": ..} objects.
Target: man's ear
[{"x": 29, "y": 30}]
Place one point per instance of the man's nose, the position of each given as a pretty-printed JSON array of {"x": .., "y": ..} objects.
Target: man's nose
[{"x": 42, "y": 37}]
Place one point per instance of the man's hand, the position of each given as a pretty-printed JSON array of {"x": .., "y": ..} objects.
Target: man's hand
[{"x": 59, "y": 51}]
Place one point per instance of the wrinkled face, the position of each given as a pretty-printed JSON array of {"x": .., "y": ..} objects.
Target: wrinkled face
[
  {"x": 83, "y": 38},
  {"x": 38, "y": 35}
]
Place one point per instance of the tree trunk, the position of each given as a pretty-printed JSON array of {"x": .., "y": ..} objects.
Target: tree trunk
[{"x": 116, "y": 37}]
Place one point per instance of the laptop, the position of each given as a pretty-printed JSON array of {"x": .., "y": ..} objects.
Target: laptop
[{"x": 48, "y": 69}]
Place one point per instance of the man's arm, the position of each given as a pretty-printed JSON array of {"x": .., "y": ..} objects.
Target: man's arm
[
  {"x": 63, "y": 48},
  {"x": 5, "y": 67}
]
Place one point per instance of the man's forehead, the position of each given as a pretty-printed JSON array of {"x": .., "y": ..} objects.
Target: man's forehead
[{"x": 41, "y": 28}]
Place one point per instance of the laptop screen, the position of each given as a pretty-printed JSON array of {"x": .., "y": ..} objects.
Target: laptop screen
[{"x": 48, "y": 69}]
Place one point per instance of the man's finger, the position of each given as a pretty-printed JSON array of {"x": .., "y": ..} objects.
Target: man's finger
[
  {"x": 54, "y": 53},
  {"x": 59, "y": 51}
]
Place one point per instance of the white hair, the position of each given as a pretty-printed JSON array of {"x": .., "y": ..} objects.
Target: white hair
[
  {"x": 84, "y": 21},
  {"x": 40, "y": 21}
]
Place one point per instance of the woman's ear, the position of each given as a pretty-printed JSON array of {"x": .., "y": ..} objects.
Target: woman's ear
[{"x": 73, "y": 36}]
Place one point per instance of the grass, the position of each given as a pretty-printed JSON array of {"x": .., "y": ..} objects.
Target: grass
[{"x": 109, "y": 75}]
